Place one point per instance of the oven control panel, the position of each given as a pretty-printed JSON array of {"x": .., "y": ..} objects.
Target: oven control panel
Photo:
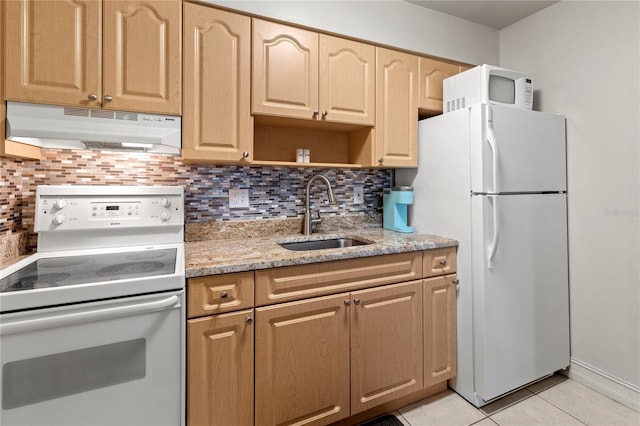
[{"x": 68, "y": 210}]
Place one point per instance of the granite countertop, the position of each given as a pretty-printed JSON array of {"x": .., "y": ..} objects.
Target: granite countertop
[{"x": 211, "y": 257}]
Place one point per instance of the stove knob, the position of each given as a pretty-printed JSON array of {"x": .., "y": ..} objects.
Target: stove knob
[
  {"x": 165, "y": 216},
  {"x": 60, "y": 204},
  {"x": 59, "y": 219},
  {"x": 164, "y": 202}
]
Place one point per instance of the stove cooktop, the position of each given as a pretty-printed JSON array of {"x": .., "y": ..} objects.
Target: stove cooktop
[{"x": 86, "y": 269}]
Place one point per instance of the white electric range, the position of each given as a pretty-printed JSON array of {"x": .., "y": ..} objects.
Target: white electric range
[{"x": 92, "y": 325}]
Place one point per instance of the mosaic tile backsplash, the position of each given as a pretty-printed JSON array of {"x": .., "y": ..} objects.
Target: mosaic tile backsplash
[{"x": 274, "y": 192}]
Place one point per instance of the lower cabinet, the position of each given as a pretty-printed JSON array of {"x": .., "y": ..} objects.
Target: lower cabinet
[
  {"x": 439, "y": 329},
  {"x": 324, "y": 359},
  {"x": 220, "y": 369}
]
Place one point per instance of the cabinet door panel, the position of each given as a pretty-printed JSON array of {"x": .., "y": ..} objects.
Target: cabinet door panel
[
  {"x": 220, "y": 370},
  {"x": 54, "y": 51},
  {"x": 439, "y": 329},
  {"x": 347, "y": 80},
  {"x": 386, "y": 344},
  {"x": 396, "y": 108},
  {"x": 302, "y": 362},
  {"x": 216, "y": 123},
  {"x": 142, "y": 56},
  {"x": 431, "y": 75},
  {"x": 285, "y": 70}
]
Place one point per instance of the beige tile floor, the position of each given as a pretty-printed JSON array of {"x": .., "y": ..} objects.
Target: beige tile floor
[{"x": 556, "y": 401}]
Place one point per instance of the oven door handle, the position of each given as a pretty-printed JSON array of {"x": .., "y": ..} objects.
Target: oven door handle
[{"x": 88, "y": 316}]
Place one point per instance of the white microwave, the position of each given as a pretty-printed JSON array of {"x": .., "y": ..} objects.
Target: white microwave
[{"x": 488, "y": 85}]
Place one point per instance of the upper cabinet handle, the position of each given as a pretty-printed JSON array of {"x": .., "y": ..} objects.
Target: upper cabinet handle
[
  {"x": 316, "y": 113},
  {"x": 324, "y": 114},
  {"x": 108, "y": 98},
  {"x": 92, "y": 97}
]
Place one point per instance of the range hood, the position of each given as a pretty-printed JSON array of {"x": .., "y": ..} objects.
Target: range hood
[{"x": 81, "y": 128}]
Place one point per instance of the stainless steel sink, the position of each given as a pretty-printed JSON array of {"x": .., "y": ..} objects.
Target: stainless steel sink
[{"x": 323, "y": 244}]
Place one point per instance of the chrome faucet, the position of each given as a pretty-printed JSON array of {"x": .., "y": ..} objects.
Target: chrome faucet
[{"x": 308, "y": 221}]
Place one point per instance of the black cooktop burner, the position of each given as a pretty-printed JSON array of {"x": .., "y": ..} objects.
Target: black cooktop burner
[{"x": 75, "y": 270}]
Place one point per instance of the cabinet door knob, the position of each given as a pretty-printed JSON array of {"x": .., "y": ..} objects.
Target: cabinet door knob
[
  {"x": 224, "y": 295},
  {"x": 316, "y": 113},
  {"x": 443, "y": 262},
  {"x": 381, "y": 160},
  {"x": 356, "y": 301},
  {"x": 249, "y": 320},
  {"x": 245, "y": 154},
  {"x": 92, "y": 97},
  {"x": 347, "y": 302},
  {"x": 108, "y": 98},
  {"x": 456, "y": 282},
  {"x": 324, "y": 114}
]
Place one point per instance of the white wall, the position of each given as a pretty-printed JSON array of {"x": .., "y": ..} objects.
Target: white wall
[
  {"x": 391, "y": 22},
  {"x": 584, "y": 57}
]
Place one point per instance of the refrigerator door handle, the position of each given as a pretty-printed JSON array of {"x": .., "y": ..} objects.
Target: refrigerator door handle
[
  {"x": 491, "y": 139},
  {"x": 496, "y": 231}
]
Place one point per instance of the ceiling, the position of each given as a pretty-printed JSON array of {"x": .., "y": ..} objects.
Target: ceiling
[{"x": 494, "y": 14}]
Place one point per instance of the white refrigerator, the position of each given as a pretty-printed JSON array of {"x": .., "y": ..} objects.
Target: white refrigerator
[{"x": 494, "y": 178}]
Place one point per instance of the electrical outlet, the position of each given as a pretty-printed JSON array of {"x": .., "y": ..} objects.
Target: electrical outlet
[
  {"x": 238, "y": 198},
  {"x": 358, "y": 195}
]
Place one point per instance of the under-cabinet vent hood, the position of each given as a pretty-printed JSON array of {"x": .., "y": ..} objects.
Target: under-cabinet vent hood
[{"x": 80, "y": 128}]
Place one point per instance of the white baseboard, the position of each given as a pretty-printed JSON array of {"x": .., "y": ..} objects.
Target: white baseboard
[{"x": 606, "y": 384}]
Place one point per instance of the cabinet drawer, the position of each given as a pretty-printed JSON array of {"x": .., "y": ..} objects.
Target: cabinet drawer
[
  {"x": 439, "y": 261},
  {"x": 219, "y": 293},
  {"x": 317, "y": 279}
]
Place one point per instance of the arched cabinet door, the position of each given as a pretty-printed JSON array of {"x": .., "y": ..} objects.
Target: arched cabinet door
[
  {"x": 142, "y": 50},
  {"x": 285, "y": 71},
  {"x": 216, "y": 121},
  {"x": 431, "y": 75}
]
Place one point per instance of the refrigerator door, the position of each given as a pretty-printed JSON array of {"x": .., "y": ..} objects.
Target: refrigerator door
[
  {"x": 520, "y": 290},
  {"x": 515, "y": 150}
]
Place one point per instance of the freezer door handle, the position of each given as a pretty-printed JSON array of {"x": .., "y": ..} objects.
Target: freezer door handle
[
  {"x": 493, "y": 199},
  {"x": 491, "y": 139},
  {"x": 88, "y": 316}
]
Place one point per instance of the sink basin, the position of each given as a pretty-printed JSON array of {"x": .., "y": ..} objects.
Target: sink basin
[{"x": 323, "y": 244}]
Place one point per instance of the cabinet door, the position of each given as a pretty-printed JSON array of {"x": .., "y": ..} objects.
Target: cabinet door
[
  {"x": 431, "y": 75},
  {"x": 142, "y": 45},
  {"x": 439, "y": 329},
  {"x": 302, "y": 362},
  {"x": 347, "y": 81},
  {"x": 220, "y": 370},
  {"x": 396, "y": 109},
  {"x": 285, "y": 70},
  {"x": 54, "y": 51},
  {"x": 386, "y": 344},
  {"x": 216, "y": 122}
]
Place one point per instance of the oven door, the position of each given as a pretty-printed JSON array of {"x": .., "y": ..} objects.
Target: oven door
[{"x": 115, "y": 362}]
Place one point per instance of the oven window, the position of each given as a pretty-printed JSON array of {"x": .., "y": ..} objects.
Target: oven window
[{"x": 48, "y": 377}]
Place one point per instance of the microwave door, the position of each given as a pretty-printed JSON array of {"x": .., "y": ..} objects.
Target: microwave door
[{"x": 516, "y": 151}]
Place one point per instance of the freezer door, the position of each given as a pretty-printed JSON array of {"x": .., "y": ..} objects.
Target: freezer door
[
  {"x": 520, "y": 290},
  {"x": 515, "y": 150}
]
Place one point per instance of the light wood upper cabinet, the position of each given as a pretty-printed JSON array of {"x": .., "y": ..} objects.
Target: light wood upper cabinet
[
  {"x": 285, "y": 70},
  {"x": 112, "y": 54},
  {"x": 396, "y": 131},
  {"x": 386, "y": 344},
  {"x": 302, "y": 362},
  {"x": 55, "y": 51},
  {"x": 431, "y": 74},
  {"x": 216, "y": 122},
  {"x": 347, "y": 81},
  {"x": 142, "y": 56},
  {"x": 220, "y": 370},
  {"x": 303, "y": 74},
  {"x": 439, "y": 329}
]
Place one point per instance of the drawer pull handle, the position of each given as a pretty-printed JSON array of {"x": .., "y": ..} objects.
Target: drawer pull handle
[
  {"x": 443, "y": 262},
  {"x": 249, "y": 320},
  {"x": 224, "y": 295}
]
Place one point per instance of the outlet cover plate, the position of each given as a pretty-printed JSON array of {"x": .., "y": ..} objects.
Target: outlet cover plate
[
  {"x": 238, "y": 198},
  {"x": 358, "y": 195}
]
